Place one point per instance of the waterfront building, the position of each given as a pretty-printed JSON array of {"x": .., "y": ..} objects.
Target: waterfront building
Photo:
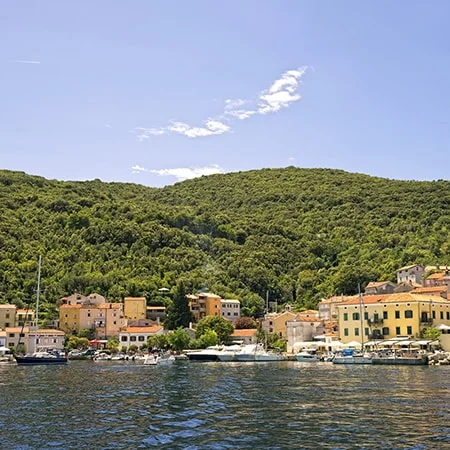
[
  {"x": 440, "y": 291},
  {"x": 230, "y": 309},
  {"x": 14, "y": 335},
  {"x": 302, "y": 329},
  {"x": 138, "y": 335},
  {"x": 7, "y": 316},
  {"x": 276, "y": 323},
  {"x": 135, "y": 308},
  {"x": 48, "y": 339},
  {"x": 388, "y": 316},
  {"x": 204, "y": 304},
  {"x": 245, "y": 336},
  {"x": 328, "y": 307},
  {"x": 105, "y": 319}
]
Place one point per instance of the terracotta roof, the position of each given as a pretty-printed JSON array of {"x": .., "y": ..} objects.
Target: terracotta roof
[
  {"x": 338, "y": 299},
  {"x": 436, "y": 276},
  {"x": 394, "y": 298},
  {"x": 245, "y": 332},
  {"x": 17, "y": 330},
  {"x": 65, "y": 306},
  {"x": 423, "y": 290},
  {"x": 7, "y": 306},
  {"x": 110, "y": 306},
  {"x": 152, "y": 329}
]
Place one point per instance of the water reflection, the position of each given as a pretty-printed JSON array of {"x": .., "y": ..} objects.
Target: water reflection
[{"x": 219, "y": 406}]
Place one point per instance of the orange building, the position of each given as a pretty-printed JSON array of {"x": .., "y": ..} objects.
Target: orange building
[{"x": 204, "y": 304}]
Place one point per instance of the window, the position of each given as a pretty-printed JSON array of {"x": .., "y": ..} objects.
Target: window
[
  {"x": 385, "y": 331},
  {"x": 433, "y": 314},
  {"x": 7, "y": 316},
  {"x": 11, "y": 335},
  {"x": 366, "y": 331},
  {"x": 355, "y": 316},
  {"x": 385, "y": 315},
  {"x": 448, "y": 315},
  {"x": 133, "y": 338},
  {"x": 397, "y": 331},
  {"x": 6, "y": 324},
  {"x": 141, "y": 339},
  {"x": 375, "y": 317},
  {"x": 124, "y": 338},
  {"x": 356, "y": 331},
  {"x": 22, "y": 335},
  {"x": 345, "y": 316},
  {"x": 366, "y": 316},
  {"x": 345, "y": 331},
  {"x": 89, "y": 314},
  {"x": 442, "y": 314},
  {"x": 229, "y": 313},
  {"x": 409, "y": 329},
  {"x": 236, "y": 314},
  {"x": 115, "y": 322},
  {"x": 397, "y": 314},
  {"x": 408, "y": 314}
]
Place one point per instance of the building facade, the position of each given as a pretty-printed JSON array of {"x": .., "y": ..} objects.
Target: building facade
[
  {"x": 138, "y": 335},
  {"x": 7, "y": 316},
  {"x": 135, "y": 308},
  {"x": 389, "y": 316},
  {"x": 230, "y": 309},
  {"x": 204, "y": 304}
]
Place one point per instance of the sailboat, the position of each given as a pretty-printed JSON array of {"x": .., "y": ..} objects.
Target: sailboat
[{"x": 49, "y": 357}]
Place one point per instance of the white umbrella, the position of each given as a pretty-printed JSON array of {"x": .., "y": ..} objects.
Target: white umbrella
[
  {"x": 442, "y": 327},
  {"x": 4, "y": 349}
]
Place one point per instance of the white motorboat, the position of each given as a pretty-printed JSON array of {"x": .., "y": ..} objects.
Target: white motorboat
[{"x": 307, "y": 355}]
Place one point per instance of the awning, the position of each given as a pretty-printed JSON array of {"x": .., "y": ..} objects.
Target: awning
[{"x": 442, "y": 327}]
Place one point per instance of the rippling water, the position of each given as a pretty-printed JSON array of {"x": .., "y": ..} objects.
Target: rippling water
[{"x": 109, "y": 405}]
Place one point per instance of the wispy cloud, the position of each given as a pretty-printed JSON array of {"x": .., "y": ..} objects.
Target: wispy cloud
[
  {"x": 181, "y": 173},
  {"x": 138, "y": 169},
  {"x": 23, "y": 61},
  {"x": 281, "y": 94}
]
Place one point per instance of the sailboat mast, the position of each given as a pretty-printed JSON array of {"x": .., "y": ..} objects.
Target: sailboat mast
[
  {"x": 37, "y": 304},
  {"x": 361, "y": 316}
]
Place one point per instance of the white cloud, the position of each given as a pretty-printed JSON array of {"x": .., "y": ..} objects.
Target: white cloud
[
  {"x": 138, "y": 169},
  {"x": 185, "y": 173},
  {"x": 281, "y": 94},
  {"x": 24, "y": 61},
  {"x": 212, "y": 127}
]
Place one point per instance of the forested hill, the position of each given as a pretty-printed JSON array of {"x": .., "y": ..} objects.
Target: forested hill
[{"x": 300, "y": 234}]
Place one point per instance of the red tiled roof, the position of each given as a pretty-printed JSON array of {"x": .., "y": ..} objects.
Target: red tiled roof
[
  {"x": 152, "y": 329},
  {"x": 423, "y": 290},
  {"x": 245, "y": 332}
]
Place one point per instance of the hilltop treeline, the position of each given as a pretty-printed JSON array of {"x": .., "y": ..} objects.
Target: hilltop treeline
[{"x": 299, "y": 234}]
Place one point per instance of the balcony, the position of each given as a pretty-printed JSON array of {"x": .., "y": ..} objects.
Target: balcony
[
  {"x": 375, "y": 321},
  {"x": 375, "y": 336},
  {"x": 426, "y": 320}
]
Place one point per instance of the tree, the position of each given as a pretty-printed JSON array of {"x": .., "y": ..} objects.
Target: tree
[
  {"x": 88, "y": 333},
  {"x": 245, "y": 323},
  {"x": 223, "y": 327},
  {"x": 430, "y": 333},
  {"x": 179, "y": 339},
  {"x": 208, "y": 339},
  {"x": 113, "y": 344},
  {"x": 157, "y": 341},
  {"x": 178, "y": 313}
]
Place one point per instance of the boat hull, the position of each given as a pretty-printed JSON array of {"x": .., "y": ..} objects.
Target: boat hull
[
  {"x": 401, "y": 361},
  {"x": 203, "y": 357},
  {"x": 31, "y": 360}
]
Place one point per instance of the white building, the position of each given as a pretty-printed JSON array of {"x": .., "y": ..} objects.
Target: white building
[
  {"x": 413, "y": 274},
  {"x": 138, "y": 335},
  {"x": 230, "y": 309}
]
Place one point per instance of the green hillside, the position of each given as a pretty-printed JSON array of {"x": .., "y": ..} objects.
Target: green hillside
[{"x": 300, "y": 234}]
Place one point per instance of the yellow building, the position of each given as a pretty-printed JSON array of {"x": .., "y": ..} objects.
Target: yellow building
[
  {"x": 25, "y": 317},
  {"x": 135, "y": 308},
  {"x": 7, "y": 316},
  {"x": 204, "y": 304},
  {"x": 389, "y": 316},
  {"x": 106, "y": 319}
]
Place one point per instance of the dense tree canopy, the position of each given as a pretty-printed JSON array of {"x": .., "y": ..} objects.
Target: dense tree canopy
[{"x": 298, "y": 234}]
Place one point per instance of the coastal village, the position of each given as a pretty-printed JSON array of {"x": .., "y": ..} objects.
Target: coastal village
[{"x": 385, "y": 315}]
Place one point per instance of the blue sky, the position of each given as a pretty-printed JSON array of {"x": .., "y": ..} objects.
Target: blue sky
[{"x": 153, "y": 92}]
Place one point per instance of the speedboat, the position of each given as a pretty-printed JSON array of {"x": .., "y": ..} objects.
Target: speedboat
[
  {"x": 207, "y": 354},
  {"x": 307, "y": 356}
]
